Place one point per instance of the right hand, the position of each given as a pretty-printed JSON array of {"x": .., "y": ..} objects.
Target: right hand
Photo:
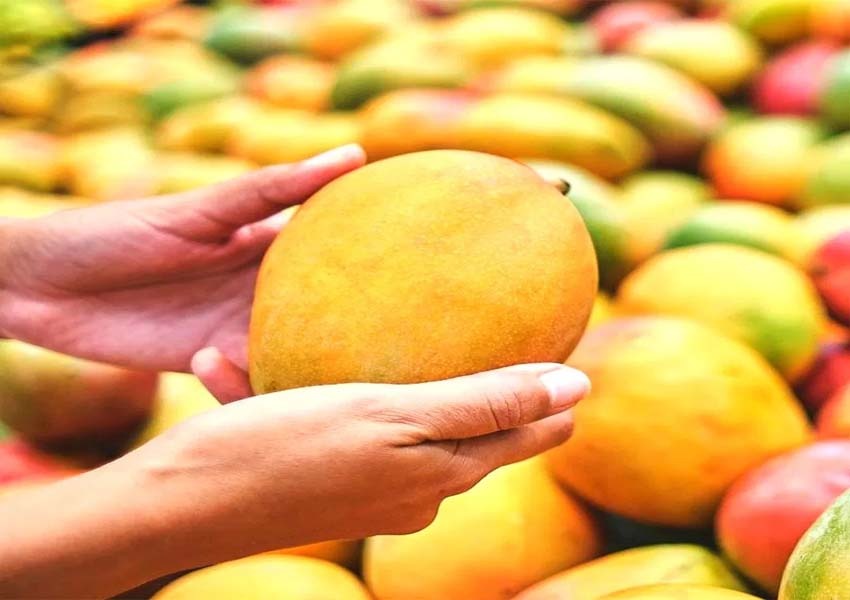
[{"x": 353, "y": 460}]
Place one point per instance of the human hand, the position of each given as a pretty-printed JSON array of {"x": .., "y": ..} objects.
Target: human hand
[
  {"x": 280, "y": 470},
  {"x": 148, "y": 283}
]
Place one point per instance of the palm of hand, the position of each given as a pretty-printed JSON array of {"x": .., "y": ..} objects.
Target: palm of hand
[{"x": 148, "y": 283}]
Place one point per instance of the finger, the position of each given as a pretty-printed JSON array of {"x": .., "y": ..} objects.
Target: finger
[
  {"x": 478, "y": 456},
  {"x": 485, "y": 403},
  {"x": 216, "y": 212},
  {"x": 222, "y": 378}
]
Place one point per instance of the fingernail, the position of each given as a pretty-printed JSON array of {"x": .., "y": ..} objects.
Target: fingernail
[
  {"x": 339, "y": 153},
  {"x": 566, "y": 387}
]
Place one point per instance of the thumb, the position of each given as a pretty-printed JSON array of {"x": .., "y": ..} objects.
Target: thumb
[{"x": 488, "y": 402}]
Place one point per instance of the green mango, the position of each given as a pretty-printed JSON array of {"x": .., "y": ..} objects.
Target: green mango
[
  {"x": 819, "y": 569},
  {"x": 400, "y": 62},
  {"x": 835, "y": 99},
  {"x": 247, "y": 34},
  {"x": 829, "y": 181}
]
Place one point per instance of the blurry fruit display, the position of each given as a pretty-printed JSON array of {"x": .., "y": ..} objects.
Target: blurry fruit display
[
  {"x": 706, "y": 408},
  {"x": 267, "y": 576},
  {"x": 759, "y": 299},
  {"x": 671, "y": 563},
  {"x": 538, "y": 528},
  {"x": 51, "y": 398},
  {"x": 766, "y": 512}
]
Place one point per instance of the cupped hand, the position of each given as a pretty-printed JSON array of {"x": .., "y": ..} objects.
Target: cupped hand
[
  {"x": 148, "y": 283},
  {"x": 354, "y": 460}
]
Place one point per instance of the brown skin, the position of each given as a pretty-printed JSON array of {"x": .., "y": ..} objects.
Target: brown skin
[{"x": 162, "y": 283}]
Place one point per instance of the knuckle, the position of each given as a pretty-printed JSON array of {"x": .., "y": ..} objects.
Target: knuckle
[{"x": 509, "y": 406}]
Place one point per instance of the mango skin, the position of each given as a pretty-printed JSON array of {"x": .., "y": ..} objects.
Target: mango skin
[
  {"x": 677, "y": 122},
  {"x": 767, "y": 159},
  {"x": 428, "y": 118},
  {"x": 484, "y": 266},
  {"x": 655, "y": 203},
  {"x": 717, "y": 54},
  {"x": 828, "y": 181},
  {"x": 663, "y": 563},
  {"x": 415, "y": 59},
  {"x": 514, "y": 528},
  {"x": 835, "y": 99},
  {"x": 562, "y": 129},
  {"x": 679, "y": 592},
  {"x": 771, "y": 21},
  {"x": 264, "y": 576},
  {"x": 818, "y": 568},
  {"x": 739, "y": 414},
  {"x": 597, "y": 201}
]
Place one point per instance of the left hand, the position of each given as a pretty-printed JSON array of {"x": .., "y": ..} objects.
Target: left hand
[{"x": 149, "y": 283}]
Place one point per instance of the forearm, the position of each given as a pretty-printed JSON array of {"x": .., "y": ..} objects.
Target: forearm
[{"x": 90, "y": 536}]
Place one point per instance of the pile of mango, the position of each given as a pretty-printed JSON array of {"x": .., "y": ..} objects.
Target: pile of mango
[{"x": 706, "y": 144}]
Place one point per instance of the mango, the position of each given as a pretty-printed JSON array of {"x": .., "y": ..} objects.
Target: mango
[
  {"x": 719, "y": 55},
  {"x": 614, "y": 24},
  {"x": 655, "y": 203},
  {"x": 679, "y": 592},
  {"x": 835, "y": 94},
  {"x": 34, "y": 23},
  {"x": 29, "y": 159},
  {"x": 428, "y": 118},
  {"x": 772, "y": 21},
  {"x": 751, "y": 224},
  {"x": 819, "y": 565},
  {"x": 766, "y": 159},
  {"x": 561, "y": 129},
  {"x": 179, "y": 396},
  {"x": 32, "y": 91},
  {"x": 106, "y": 14},
  {"x": 415, "y": 59},
  {"x": 759, "y": 299},
  {"x": 492, "y": 36},
  {"x": 24, "y": 463},
  {"x": 830, "y": 19},
  {"x": 291, "y": 81},
  {"x": 833, "y": 420},
  {"x": 108, "y": 164},
  {"x": 513, "y": 529},
  {"x": 766, "y": 512},
  {"x": 51, "y": 398},
  {"x": 791, "y": 81},
  {"x": 183, "y": 22},
  {"x": 423, "y": 281},
  {"x": 334, "y": 30},
  {"x": 677, "y": 122},
  {"x": 828, "y": 374},
  {"x": 603, "y": 310},
  {"x": 206, "y": 127},
  {"x": 666, "y": 563},
  {"x": 830, "y": 271},
  {"x": 182, "y": 171},
  {"x": 165, "y": 98},
  {"x": 277, "y": 136},
  {"x": 264, "y": 577},
  {"x": 345, "y": 553},
  {"x": 828, "y": 180},
  {"x": 820, "y": 223},
  {"x": 248, "y": 33},
  {"x": 18, "y": 203},
  {"x": 96, "y": 109},
  {"x": 447, "y": 7},
  {"x": 738, "y": 413},
  {"x": 598, "y": 204}
]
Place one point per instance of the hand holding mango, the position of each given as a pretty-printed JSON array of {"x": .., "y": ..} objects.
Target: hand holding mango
[{"x": 404, "y": 444}]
